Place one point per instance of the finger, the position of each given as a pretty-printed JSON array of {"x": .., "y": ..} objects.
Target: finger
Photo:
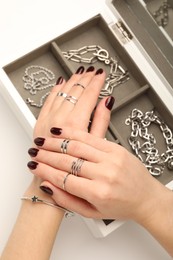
[
  {"x": 101, "y": 117},
  {"x": 62, "y": 163},
  {"x": 71, "y": 147},
  {"x": 72, "y": 203},
  {"x": 83, "y": 109},
  {"x": 51, "y": 97},
  {"x": 84, "y": 137},
  {"x": 65, "y": 90}
]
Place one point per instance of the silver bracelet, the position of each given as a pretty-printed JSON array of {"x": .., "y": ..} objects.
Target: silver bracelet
[
  {"x": 37, "y": 78},
  {"x": 36, "y": 199},
  {"x": 143, "y": 143}
]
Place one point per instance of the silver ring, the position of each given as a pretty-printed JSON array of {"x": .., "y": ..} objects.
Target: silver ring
[
  {"x": 76, "y": 166},
  {"x": 79, "y": 84},
  {"x": 64, "y": 181},
  {"x": 64, "y": 145},
  {"x": 62, "y": 94},
  {"x": 72, "y": 99}
]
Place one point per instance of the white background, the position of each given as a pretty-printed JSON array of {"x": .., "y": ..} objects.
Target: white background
[{"x": 25, "y": 25}]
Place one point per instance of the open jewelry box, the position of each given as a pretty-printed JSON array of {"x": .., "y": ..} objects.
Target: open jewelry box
[{"x": 133, "y": 41}]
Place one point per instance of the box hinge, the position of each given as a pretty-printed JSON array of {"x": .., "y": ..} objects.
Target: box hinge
[{"x": 121, "y": 31}]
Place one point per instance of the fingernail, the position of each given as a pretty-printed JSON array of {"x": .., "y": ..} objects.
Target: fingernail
[
  {"x": 90, "y": 69},
  {"x": 110, "y": 102},
  {"x": 46, "y": 190},
  {"x": 33, "y": 152},
  {"x": 59, "y": 81},
  {"x": 56, "y": 130},
  {"x": 32, "y": 165},
  {"x": 39, "y": 141},
  {"x": 99, "y": 71},
  {"x": 80, "y": 70}
]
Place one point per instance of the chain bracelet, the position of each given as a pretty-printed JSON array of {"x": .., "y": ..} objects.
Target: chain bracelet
[
  {"x": 37, "y": 78},
  {"x": 161, "y": 15},
  {"x": 153, "y": 161},
  {"x": 117, "y": 74}
]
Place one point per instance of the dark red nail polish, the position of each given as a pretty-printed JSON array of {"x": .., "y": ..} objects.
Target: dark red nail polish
[
  {"x": 39, "y": 141},
  {"x": 90, "y": 69},
  {"x": 59, "y": 81},
  {"x": 110, "y": 102},
  {"x": 33, "y": 152},
  {"x": 80, "y": 70},
  {"x": 56, "y": 130},
  {"x": 46, "y": 190},
  {"x": 32, "y": 165},
  {"x": 99, "y": 71}
]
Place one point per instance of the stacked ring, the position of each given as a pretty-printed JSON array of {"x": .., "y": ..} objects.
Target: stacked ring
[
  {"x": 62, "y": 94},
  {"x": 76, "y": 166},
  {"x": 72, "y": 99},
  {"x": 64, "y": 145}
]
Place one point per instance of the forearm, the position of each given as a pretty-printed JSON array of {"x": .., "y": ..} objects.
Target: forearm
[
  {"x": 35, "y": 229},
  {"x": 160, "y": 223}
]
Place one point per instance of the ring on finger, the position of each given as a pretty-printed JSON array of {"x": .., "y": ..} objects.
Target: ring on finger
[
  {"x": 62, "y": 94},
  {"x": 76, "y": 166},
  {"x": 64, "y": 145},
  {"x": 72, "y": 99},
  {"x": 79, "y": 84},
  {"x": 64, "y": 181}
]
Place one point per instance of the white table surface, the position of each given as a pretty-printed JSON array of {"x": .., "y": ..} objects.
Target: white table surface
[{"x": 25, "y": 25}]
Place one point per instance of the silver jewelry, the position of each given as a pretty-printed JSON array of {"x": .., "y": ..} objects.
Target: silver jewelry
[
  {"x": 79, "y": 84},
  {"x": 72, "y": 99},
  {"x": 153, "y": 161},
  {"x": 64, "y": 181},
  {"x": 64, "y": 145},
  {"x": 117, "y": 74},
  {"x": 76, "y": 166},
  {"x": 161, "y": 15},
  {"x": 37, "y": 78},
  {"x": 36, "y": 199},
  {"x": 62, "y": 94}
]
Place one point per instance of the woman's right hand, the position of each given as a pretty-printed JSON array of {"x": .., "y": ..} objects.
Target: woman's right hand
[{"x": 112, "y": 183}]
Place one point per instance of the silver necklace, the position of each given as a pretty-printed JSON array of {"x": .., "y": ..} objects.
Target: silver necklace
[
  {"x": 153, "y": 161},
  {"x": 161, "y": 15},
  {"x": 37, "y": 78},
  {"x": 117, "y": 74}
]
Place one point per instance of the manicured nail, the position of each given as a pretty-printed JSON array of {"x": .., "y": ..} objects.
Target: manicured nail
[
  {"x": 56, "y": 130},
  {"x": 32, "y": 165},
  {"x": 59, "y": 81},
  {"x": 110, "y": 102},
  {"x": 80, "y": 70},
  {"x": 33, "y": 152},
  {"x": 90, "y": 69},
  {"x": 99, "y": 71},
  {"x": 46, "y": 190},
  {"x": 39, "y": 141}
]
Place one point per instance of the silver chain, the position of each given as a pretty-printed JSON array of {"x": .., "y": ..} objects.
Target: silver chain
[
  {"x": 146, "y": 150},
  {"x": 37, "y": 78},
  {"x": 161, "y": 15},
  {"x": 117, "y": 74}
]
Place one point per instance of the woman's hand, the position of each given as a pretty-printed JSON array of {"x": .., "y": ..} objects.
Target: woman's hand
[
  {"x": 83, "y": 88},
  {"x": 112, "y": 183}
]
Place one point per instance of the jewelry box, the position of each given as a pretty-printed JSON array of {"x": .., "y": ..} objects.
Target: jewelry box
[{"x": 133, "y": 41}]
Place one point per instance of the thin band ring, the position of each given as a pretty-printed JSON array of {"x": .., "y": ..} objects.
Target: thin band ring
[
  {"x": 72, "y": 99},
  {"x": 62, "y": 94},
  {"x": 76, "y": 166},
  {"x": 64, "y": 181},
  {"x": 79, "y": 84},
  {"x": 64, "y": 145}
]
